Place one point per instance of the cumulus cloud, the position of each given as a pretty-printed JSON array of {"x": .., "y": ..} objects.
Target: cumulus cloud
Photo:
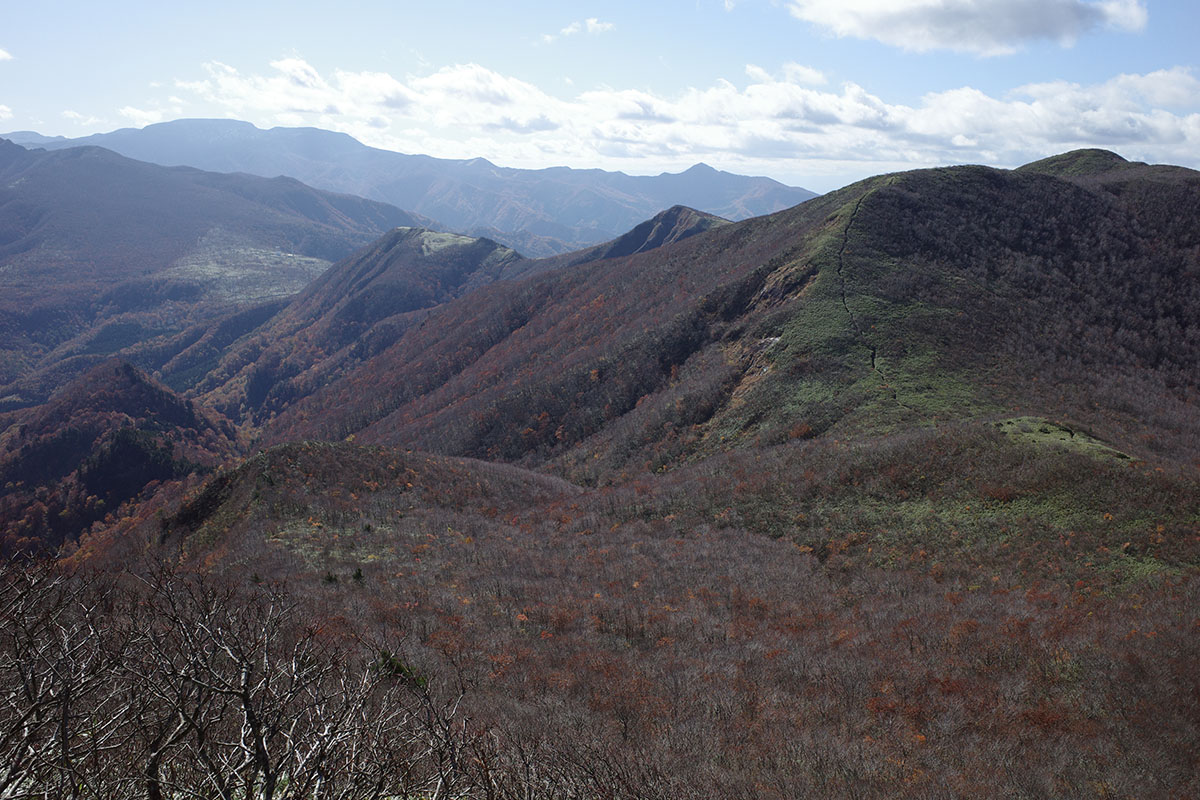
[
  {"x": 984, "y": 27},
  {"x": 5, "y": 55},
  {"x": 5, "y": 112},
  {"x": 141, "y": 117},
  {"x": 792, "y": 73},
  {"x": 787, "y": 122}
]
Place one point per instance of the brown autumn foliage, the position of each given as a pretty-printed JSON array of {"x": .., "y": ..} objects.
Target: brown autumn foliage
[
  {"x": 651, "y": 641},
  {"x": 823, "y": 538},
  {"x": 111, "y": 436}
]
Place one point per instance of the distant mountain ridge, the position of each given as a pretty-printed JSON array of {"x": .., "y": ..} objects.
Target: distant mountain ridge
[
  {"x": 537, "y": 212},
  {"x": 98, "y": 245}
]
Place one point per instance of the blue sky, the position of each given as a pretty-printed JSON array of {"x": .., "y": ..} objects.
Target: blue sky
[{"x": 816, "y": 93}]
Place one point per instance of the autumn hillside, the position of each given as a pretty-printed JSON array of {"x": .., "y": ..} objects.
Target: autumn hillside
[
  {"x": 906, "y": 300},
  {"x": 893, "y": 494},
  {"x": 367, "y": 301},
  {"x": 111, "y": 436},
  {"x": 891, "y": 617}
]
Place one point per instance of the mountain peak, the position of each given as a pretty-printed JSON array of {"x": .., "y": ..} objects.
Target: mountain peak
[
  {"x": 1077, "y": 163},
  {"x": 218, "y": 123},
  {"x": 478, "y": 161},
  {"x": 672, "y": 225},
  {"x": 682, "y": 212},
  {"x": 10, "y": 149},
  {"x": 118, "y": 386}
]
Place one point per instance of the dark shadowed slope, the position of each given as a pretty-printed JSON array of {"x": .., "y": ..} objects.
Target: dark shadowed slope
[
  {"x": 538, "y": 212},
  {"x": 106, "y": 438}
]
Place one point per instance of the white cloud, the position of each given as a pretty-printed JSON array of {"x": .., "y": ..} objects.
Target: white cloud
[
  {"x": 81, "y": 119},
  {"x": 785, "y": 123},
  {"x": 984, "y": 27},
  {"x": 5, "y": 55},
  {"x": 591, "y": 25},
  {"x": 5, "y": 112},
  {"x": 792, "y": 73},
  {"x": 1128, "y": 15},
  {"x": 142, "y": 117}
]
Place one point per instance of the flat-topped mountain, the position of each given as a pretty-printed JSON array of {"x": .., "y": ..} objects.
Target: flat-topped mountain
[{"x": 538, "y": 212}]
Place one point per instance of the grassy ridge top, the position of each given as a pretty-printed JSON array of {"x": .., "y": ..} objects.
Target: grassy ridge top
[{"x": 907, "y": 299}]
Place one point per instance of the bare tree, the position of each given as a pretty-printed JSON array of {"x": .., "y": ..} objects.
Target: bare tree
[
  {"x": 243, "y": 695},
  {"x": 61, "y": 715}
]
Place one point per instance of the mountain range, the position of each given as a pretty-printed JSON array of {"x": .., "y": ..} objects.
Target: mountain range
[
  {"x": 99, "y": 251},
  {"x": 536, "y": 212},
  {"x": 903, "y": 300},
  {"x": 875, "y": 496}
]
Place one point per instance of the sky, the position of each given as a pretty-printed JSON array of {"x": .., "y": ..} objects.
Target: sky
[{"x": 814, "y": 93}]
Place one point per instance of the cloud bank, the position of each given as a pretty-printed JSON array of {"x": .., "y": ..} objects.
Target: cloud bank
[
  {"x": 984, "y": 27},
  {"x": 789, "y": 123}
]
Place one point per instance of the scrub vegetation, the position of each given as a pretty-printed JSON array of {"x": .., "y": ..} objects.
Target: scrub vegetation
[{"x": 895, "y": 494}]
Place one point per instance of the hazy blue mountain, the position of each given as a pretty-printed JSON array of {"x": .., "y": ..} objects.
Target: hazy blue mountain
[
  {"x": 99, "y": 251},
  {"x": 538, "y": 212},
  {"x": 34, "y": 139}
]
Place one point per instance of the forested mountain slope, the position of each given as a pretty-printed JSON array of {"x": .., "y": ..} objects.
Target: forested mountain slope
[
  {"x": 110, "y": 436},
  {"x": 902, "y": 300},
  {"x": 366, "y": 302},
  {"x": 893, "y": 494}
]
